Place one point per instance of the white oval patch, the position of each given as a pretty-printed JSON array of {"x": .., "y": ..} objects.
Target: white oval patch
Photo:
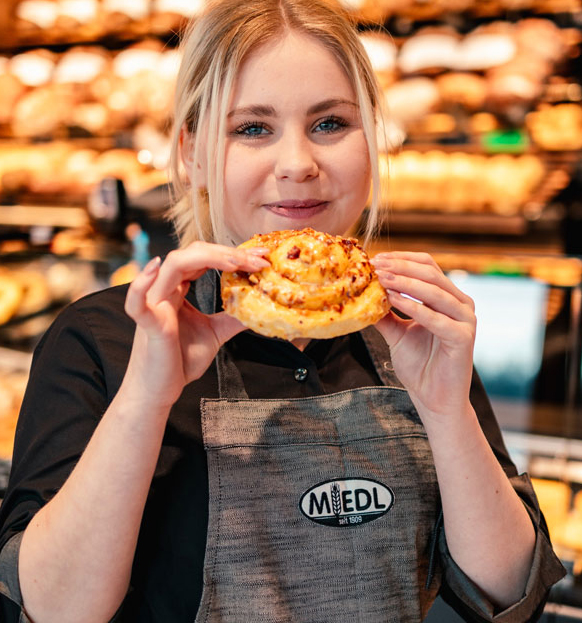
[{"x": 346, "y": 502}]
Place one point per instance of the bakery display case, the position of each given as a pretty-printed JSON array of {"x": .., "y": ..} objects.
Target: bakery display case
[
  {"x": 475, "y": 91},
  {"x": 489, "y": 103},
  {"x": 481, "y": 161}
]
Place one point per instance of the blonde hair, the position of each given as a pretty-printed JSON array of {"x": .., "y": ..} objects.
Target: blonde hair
[{"x": 213, "y": 48}]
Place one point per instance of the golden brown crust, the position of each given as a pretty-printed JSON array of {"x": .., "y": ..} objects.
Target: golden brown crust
[{"x": 318, "y": 286}]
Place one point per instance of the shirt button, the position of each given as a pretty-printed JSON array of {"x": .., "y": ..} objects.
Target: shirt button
[{"x": 300, "y": 374}]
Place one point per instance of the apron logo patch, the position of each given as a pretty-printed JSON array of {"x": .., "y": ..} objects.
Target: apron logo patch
[{"x": 346, "y": 502}]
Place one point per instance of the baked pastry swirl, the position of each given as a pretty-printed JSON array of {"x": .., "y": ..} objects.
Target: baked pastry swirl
[{"x": 317, "y": 286}]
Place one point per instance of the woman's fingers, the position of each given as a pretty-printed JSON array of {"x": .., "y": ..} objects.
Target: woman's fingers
[
  {"x": 439, "y": 324},
  {"x": 418, "y": 288},
  {"x": 413, "y": 293},
  {"x": 136, "y": 305},
  {"x": 190, "y": 263},
  {"x": 225, "y": 327},
  {"x": 416, "y": 275},
  {"x": 392, "y": 328},
  {"x": 168, "y": 282},
  {"x": 418, "y": 266}
]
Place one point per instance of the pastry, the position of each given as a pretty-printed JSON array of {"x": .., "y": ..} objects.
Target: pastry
[
  {"x": 124, "y": 274},
  {"x": 78, "y": 19},
  {"x": 462, "y": 88},
  {"x": 125, "y": 16},
  {"x": 424, "y": 10},
  {"x": 556, "y": 127},
  {"x": 374, "y": 11},
  {"x": 34, "y": 20},
  {"x": 35, "y": 292},
  {"x": 12, "y": 90},
  {"x": 11, "y": 293},
  {"x": 12, "y": 387},
  {"x": 429, "y": 51},
  {"x": 486, "y": 8},
  {"x": 412, "y": 98},
  {"x": 43, "y": 111},
  {"x": 171, "y": 15},
  {"x": 317, "y": 286},
  {"x": 81, "y": 65},
  {"x": 33, "y": 68},
  {"x": 541, "y": 38},
  {"x": 382, "y": 53},
  {"x": 483, "y": 49}
]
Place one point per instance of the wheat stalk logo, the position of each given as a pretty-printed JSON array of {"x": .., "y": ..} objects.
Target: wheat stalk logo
[{"x": 336, "y": 503}]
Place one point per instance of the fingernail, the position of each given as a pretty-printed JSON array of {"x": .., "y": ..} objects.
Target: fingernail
[
  {"x": 259, "y": 262},
  {"x": 152, "y": 265},
  {"x": 385, "y": 275},
  {"x": 380, "y": 263},
  {"x": 259, "y": 250}
]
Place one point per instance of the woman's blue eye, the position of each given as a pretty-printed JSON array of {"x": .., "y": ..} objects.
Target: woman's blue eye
[
  {"x": 330, "y": 125},
  {"x": 251, "y": 129}
]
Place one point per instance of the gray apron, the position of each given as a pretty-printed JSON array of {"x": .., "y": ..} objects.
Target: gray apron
[{"x": 321, "y": 509}]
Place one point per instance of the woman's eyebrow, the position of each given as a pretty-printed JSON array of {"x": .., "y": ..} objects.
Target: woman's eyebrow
[
  {"x": 330, "y": 103},
  {"x": 259, "y": 110},
  {"x": 254, "y": 111}
]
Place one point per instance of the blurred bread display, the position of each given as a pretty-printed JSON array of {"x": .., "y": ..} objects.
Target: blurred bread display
[
  {"x": 87, "y": 92},
  {"x": 446, "y": 181}
]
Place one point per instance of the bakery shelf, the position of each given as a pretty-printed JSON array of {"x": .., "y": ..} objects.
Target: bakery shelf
[
  {"x": 43, "y": 216},
  {"x": 457, "y": 223},
  {"x": 398, "y": 22}
]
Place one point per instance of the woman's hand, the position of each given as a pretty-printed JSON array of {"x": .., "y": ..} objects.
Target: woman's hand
[
  {"x": 174, "y": 343},
  {"x": 432, "y": 351},
  {"x": 489, "y": 532},
  {"x": 76, "y": 557}
]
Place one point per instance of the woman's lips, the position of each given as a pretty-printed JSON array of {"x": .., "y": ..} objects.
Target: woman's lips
[{"x": 296, "y": 208}]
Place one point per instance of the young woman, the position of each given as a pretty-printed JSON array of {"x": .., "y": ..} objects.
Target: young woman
[{"x": 171, "y": 466}]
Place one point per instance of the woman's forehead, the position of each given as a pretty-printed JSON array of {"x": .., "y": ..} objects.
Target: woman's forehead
[{"x": 287, "y": 64}]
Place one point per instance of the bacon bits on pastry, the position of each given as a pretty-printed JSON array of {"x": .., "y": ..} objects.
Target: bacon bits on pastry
[{"x": 318, "y": 286}]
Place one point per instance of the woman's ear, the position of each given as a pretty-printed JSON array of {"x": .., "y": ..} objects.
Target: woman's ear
[{"x": 195, "y": 171}]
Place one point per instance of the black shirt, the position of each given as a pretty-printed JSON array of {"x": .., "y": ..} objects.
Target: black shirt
[{"x": 77, "y": 369}]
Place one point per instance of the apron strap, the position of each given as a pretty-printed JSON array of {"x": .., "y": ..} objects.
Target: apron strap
[
  {"x": 206, "y": 292},
  {"x": 380, "y": 354},
  {"x": 230, "y": 383}
]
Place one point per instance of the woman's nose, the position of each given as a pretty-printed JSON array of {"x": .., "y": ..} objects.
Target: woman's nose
[{"x": 295, "y": 159}]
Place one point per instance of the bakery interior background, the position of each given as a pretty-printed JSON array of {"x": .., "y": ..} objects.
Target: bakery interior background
[{"x": 484, "y": 170}]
